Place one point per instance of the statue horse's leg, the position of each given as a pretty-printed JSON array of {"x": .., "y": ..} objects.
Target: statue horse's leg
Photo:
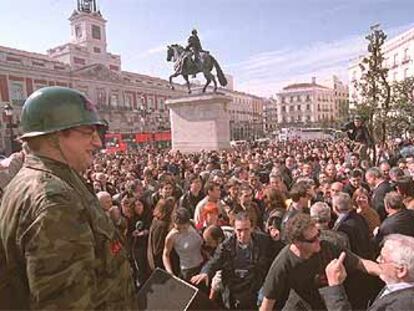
[
  {"x": 188, "y": 83},
  {"x": 171, "y": 77},
  {"x": 209, "y": 77}
]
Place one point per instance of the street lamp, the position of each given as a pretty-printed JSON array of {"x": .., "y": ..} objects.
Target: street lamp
[{"x": 8, "y": 113}]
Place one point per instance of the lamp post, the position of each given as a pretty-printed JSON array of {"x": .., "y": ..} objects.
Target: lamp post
[{"x": 8, "y": 114}]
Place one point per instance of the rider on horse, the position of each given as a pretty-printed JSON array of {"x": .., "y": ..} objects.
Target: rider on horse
[{"x": 194, "y": 46}]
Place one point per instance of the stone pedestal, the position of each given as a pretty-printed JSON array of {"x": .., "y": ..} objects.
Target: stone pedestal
[{"x": 199, "y": 122}]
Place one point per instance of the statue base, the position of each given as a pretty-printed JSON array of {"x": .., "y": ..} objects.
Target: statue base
[{"x": 200, "y": 122}]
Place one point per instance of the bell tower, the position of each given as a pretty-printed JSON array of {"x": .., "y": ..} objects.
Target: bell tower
[
  {"x": 88, "y": 27},
  {"x": 87, "y": 45}
]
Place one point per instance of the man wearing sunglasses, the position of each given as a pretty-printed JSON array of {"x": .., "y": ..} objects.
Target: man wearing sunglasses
[
  {"x": 58, "y": 249},
  {"x": 299, "y": 270}
]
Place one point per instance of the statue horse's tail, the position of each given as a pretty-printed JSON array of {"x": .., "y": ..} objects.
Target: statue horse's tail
[{"x": 220, "y": 75}]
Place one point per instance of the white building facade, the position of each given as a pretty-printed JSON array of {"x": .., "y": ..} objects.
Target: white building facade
[
  {"x": 398, "y": 58},
  {"x": 312, "y": 104}
]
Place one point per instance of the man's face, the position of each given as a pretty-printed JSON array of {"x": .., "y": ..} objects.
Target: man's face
[
  {"x": 336, "y": 187},
  {"x": 385, "y": 168},
  {"x": 311, "y": 243},
  {"x": 243, "y": 229},
  {"x": 330, "y": 170},
  {"x": 358, "y": 123},
  {"x": 214, "y": 194},
  {"x": 195, "y": 186},
  {"x": 389, "y": 269},
  {"x": 106, "y": 202},
  {"x": 370, "y": 179},
  {"x": 167, "y": 191},
  {"x": 355, "y": 182},
  {"x": 246, "y": 196},
  {"x": 289, "y": 162},
  {"x": 354, "y": 161},
  {"x": 307, "y": 169},
  {"x": 78, "y": 145}
]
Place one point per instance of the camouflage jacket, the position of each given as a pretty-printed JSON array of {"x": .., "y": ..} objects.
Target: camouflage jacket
[{"x": 58, "y": 249}]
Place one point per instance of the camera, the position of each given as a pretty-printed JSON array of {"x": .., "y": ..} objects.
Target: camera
[{"x": 139, "y": 225}]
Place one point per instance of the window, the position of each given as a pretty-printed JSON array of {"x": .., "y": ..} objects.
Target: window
[
  {"x": 96, "y": 32},
  {"x": 405, "y": 73},
  {"x": 282, "y": 99},
  {"x": 298, "y": 107},
  {"x": 79, "y": 61},
  {"x": 96, "y": 50},
  {"x": 307, "y": 107},
  {"x": 395, "y": 60},
  {"x": 101, "y": 97},
  {"x": 405, "y": 59},
  {"x": 17, "y": 93},
  {"x": 128, "y": 101},
  {"x": 308, "y": 98},
  {"x": 291, "y": 108},
  {"x": 114, "y": 100},
  {"x": 78, "y": 31},
  {"x": 283, "y": 108}
]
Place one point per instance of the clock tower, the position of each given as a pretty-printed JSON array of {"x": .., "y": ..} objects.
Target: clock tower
[
  {"x": 88, "y": 43},
  {"x": 88, "y": 27}
]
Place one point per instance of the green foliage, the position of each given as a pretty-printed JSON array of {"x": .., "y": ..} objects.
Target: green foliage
[
  {"x": 373, "y": 87},
  {"x": 402, "y": 108}
]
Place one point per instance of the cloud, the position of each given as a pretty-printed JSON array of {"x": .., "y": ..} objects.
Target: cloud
[{"x": 268, "y": 72}]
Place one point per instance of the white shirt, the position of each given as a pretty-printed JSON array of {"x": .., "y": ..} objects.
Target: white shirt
[{"x": 390, "y": 288}]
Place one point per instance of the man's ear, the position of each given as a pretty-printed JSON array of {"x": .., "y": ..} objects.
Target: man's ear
[{"x": 402, "y": 272}]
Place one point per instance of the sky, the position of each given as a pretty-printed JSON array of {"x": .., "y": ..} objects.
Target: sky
[{"x": 264, "y": 44}]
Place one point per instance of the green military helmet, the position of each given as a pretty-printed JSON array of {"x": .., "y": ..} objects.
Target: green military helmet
[{"x": 55, "y": 108}]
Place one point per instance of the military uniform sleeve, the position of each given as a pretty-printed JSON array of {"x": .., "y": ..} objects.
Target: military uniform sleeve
[{"x": 59, "y": 252}]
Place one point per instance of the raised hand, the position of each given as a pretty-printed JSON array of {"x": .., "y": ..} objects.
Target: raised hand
[{"x": 335, "y": 270}]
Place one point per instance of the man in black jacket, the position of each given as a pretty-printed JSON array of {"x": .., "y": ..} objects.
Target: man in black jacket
[
  {"x": 359, "y": 134},
  {"x": 244, "y": 261},
  {"x": 399, "y": 219},
  {"x": 190, "y": 199},
  {"x": 396, "y": 263},
  {"x": 352, "y": 224},
  {"x": 380, "y": 187}
]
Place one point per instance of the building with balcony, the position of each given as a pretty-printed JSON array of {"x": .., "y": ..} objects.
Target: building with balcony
[
  {"x": 312, "y": 104},
  {"x": 398, "y": 58},
  {"x": 131, "y": 102}
]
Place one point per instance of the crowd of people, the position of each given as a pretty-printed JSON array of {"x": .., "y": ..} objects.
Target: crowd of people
[{"x": 302, "y": 225}]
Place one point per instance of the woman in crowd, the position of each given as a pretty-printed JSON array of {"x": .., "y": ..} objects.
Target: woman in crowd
[
  {"x": 362, "y": 204},
  {"x": 273, "y": 200},
  {"x": 161, "y": 224},
  {"x": 187, "y": 243}
]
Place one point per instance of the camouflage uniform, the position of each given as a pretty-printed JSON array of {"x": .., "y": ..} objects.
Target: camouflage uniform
[{"x": 58, "y": 248}]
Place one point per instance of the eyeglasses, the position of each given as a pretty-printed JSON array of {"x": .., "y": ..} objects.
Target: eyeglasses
[
  {"x": 89, "y": 131},
  {"x": 311, "y": 240}
]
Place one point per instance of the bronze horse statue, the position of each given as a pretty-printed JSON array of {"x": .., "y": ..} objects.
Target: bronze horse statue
[{"x": 185, "y": 66}]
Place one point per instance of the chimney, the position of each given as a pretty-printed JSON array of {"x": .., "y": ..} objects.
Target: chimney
[{"x": 313, "y": 80}]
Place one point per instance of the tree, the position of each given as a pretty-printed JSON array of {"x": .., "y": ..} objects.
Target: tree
[
  {"x": 402, "y": 108},
  {"x": 373, "y": 88}
]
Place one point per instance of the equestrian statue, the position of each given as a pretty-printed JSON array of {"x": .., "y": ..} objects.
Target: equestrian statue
[{"x": 193, "y": 59}]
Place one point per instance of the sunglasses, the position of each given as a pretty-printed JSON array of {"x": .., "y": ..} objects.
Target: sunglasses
[{"x": 311, "y": 240}]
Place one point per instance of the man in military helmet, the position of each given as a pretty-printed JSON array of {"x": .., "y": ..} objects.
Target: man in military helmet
[
  {"x": 194, "y": 46},
  {"x": 58, "y": 249}
]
